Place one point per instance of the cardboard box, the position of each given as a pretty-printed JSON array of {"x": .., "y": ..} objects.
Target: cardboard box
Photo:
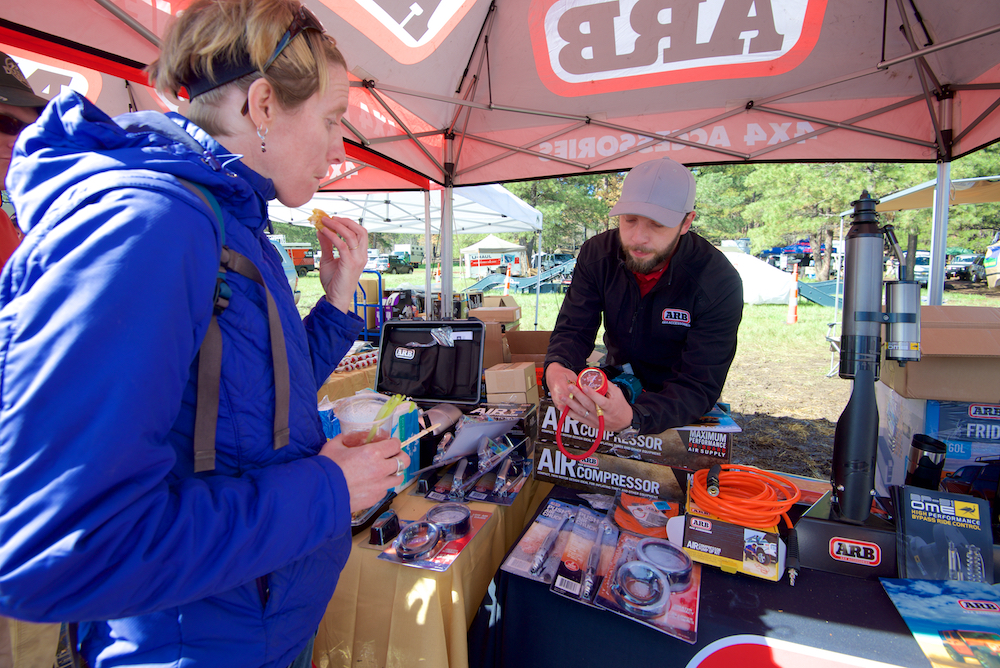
[
  {"x": 510, "y": 377},
  {"x": 368, "y": 301},
  {"x": 970, "y": 429},
  {"x": 606, "y": 474},
  {"x": 528, "y": 397},
  {"x": 501, "y": 301},
  {"x": 732, "y": 547},
  {"x": 528, "y": 346},
  {"x": 493, "y": 349},
  {"x": 690, "y": 448},
  {"x": 959, "y": 357},
  {"x": 497, "y": 313}
]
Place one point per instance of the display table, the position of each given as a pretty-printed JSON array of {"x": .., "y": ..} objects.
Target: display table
[
  {"x": 825, "y": 621},
  {"x": 391, "y": 615},
  {"x": 342, "y": 384}
]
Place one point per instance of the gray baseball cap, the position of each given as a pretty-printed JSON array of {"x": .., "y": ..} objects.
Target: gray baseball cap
[
  {"x": 14, "y": 87},
  {"x": 661, "y": 190}
]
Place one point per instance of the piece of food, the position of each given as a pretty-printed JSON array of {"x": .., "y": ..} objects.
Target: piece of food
[{"x": 316, "y": 218}]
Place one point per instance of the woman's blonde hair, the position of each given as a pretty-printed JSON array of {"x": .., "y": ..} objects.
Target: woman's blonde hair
[{"x": 211, "y": 34}]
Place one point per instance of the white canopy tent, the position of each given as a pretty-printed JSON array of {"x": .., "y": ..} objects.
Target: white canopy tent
[
  {"x": 491, "y": 245},
  {"x": 475, "y": 209},
  {"x": 929, "y": 194},
  {"x": 762, "y": 283}
]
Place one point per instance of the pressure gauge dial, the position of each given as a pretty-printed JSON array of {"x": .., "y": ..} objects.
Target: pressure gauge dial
[{"x": 594, "y": 379}]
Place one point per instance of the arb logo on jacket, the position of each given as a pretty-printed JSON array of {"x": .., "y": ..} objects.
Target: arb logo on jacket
[{"x": 673, "y": 316}]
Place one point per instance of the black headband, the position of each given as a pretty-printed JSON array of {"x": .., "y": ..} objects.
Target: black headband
[{"x": 229, "y": 72}]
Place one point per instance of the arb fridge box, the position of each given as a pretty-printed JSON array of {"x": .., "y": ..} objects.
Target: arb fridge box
[{"x": 959, "y": 357}]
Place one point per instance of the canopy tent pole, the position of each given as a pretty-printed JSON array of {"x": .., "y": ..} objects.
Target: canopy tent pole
[
  {"x": 942, "y": 200},
  {"x": 538, "y": 275},
  {"x": 427, "y": 249},
  {"x": 447, "y": 230},
  {"x": 939, "y": 235}
]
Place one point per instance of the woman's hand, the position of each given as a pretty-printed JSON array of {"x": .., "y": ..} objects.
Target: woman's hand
[
  {"x": 370, "y": 469},
  {"x": 339, "y": 275}
]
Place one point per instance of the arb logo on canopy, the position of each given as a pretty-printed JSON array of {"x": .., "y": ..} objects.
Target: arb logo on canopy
[{"x": 585, "y": 47}]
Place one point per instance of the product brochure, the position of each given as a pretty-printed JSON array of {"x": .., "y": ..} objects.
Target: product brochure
[
  {"x": 953, "y": 622},
  {"x": 943, "y": 536},
  {"x": 537, "y": 555}
]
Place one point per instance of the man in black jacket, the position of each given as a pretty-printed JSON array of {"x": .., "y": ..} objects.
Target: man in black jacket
[{"x": 671, "y": 305}]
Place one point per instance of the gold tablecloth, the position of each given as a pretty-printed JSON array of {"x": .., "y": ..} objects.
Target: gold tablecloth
[
  {"x": 347, "y": 383},
  {"x": 385, "y": 614}
]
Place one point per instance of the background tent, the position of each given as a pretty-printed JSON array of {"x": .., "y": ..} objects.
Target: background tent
[
  {"x": 475, "y": 209},
  {"x": 762, "y": 283},
  {"x": 484, "y": 256},
  {"x": 466, "y": 92}
]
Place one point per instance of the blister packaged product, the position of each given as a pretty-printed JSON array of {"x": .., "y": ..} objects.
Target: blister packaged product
[{"x": 537, "y": 554}]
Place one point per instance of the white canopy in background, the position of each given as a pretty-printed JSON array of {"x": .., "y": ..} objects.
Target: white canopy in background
[
  {"x": 762, "y": 283},
  {"x": 979, "y": 190},
  {"x": 476, "y": 210},
  {"x": 492, "y": 244}
]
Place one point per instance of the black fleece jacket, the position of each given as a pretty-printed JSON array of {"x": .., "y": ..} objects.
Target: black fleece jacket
[{"x": 680, "y": 338}]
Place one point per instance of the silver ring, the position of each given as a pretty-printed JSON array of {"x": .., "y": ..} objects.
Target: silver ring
[
  {"x": 399, "y": 466},
  {"x": 586, "y": 414}
]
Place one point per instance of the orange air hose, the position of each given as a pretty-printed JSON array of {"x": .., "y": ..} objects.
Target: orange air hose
[{"x": 747, "y": 496}]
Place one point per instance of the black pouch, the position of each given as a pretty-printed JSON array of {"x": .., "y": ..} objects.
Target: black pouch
[
  {"x": 413, "y": 363},
  {"x": 408, "y": 365}
]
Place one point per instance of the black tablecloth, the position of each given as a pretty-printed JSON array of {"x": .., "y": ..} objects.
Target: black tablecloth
[{"x": 522, "y": 624}]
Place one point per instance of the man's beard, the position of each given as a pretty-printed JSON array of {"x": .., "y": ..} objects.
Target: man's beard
[{"x": 648, "y": 266}]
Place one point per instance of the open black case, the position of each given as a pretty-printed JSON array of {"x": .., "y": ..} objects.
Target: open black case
[{"x": 416, "y": 361}]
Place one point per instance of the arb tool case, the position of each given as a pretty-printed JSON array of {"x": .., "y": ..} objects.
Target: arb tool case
[{"x": 432, "y": 361}]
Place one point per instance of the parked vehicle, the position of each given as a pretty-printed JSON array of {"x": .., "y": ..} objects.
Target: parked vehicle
[
  {"x": 381, "y": 263},
  {"x": 302, "y": 256},
  {"x": 967, "y": 267},
  {"x": 980, "y": 645},
  {"x": 921, "y": 267},
  {"x": 289, "y": 266},
  {"x": 412, "y": 254},
  {"x": 398, "y": 265}
]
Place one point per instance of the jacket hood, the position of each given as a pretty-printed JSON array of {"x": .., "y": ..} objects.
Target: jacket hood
[{"x": 73, "y": 140}]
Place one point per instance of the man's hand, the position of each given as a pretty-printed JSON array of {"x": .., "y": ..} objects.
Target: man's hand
[
  {"x": 616, "y": 408},
  {"x": 370, "y": 469},
  {"x": 561, "y": 383},
  {"x": 583, "y": 403}
]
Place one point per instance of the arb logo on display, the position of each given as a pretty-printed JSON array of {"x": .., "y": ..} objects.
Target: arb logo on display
[{"x": 583, "y": 47}]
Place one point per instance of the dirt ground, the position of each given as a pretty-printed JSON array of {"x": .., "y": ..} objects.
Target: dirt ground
[{"x": 788, "y": 415}]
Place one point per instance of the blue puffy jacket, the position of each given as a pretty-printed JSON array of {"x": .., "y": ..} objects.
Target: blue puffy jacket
[{"x": 102, "y": 310}]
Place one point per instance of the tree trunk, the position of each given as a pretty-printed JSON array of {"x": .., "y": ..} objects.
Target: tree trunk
[
  {"x": 823, "y": 265},
  {"x": 911, "y": 255}
]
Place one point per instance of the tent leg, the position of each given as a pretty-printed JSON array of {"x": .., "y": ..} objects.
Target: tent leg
[{"x": 939, "y": 234}]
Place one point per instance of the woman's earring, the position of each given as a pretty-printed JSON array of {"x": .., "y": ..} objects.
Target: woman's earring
[{"x": 262, "y": 132}]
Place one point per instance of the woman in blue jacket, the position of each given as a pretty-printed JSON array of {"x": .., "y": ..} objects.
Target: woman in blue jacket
[{"x": 107, "y": 515}]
